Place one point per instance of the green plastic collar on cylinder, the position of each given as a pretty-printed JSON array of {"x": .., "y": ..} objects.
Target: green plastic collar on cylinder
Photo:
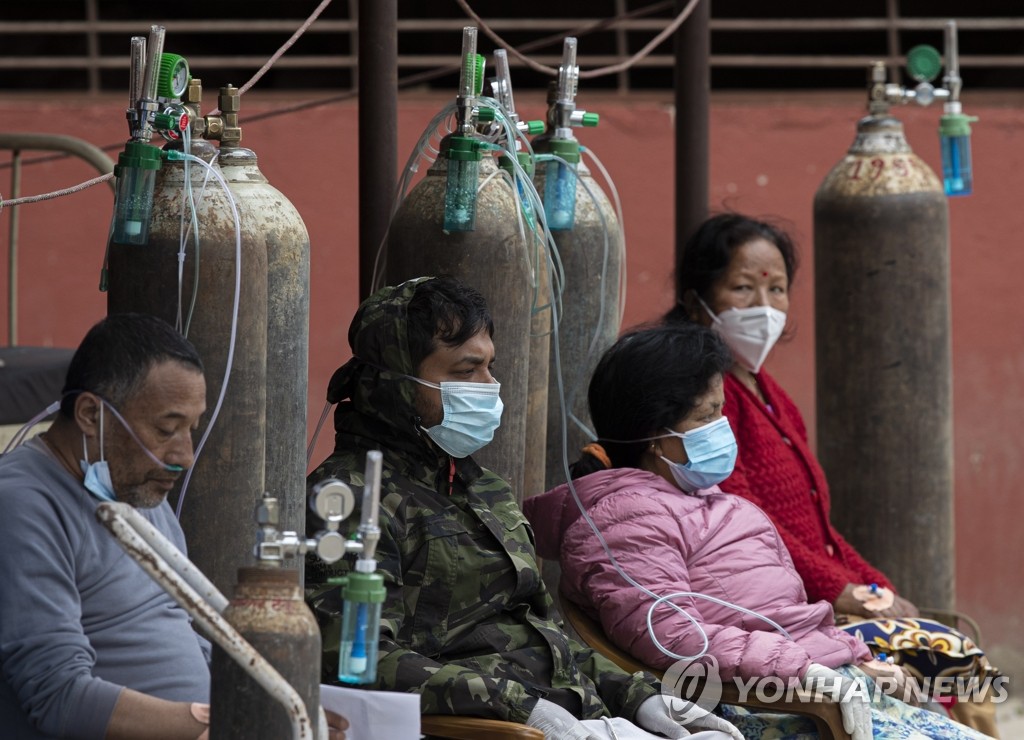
[
  {"x": 567, "y": 149},
  {"x": 139, "y": 155},
  {"x": 464, "y": 149},
  {"x": 367, "y": 588},
  {"x": 956, "y": 124}
]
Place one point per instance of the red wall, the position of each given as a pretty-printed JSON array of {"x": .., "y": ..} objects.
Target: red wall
[{"x": 768, "y": 156}]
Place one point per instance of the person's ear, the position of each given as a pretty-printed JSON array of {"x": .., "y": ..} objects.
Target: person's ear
[
  {"x": 694, "y": 311},
  {"x": 87, "y": 414}
]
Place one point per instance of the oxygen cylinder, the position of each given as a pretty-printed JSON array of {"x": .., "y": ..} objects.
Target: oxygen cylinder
[
  {"x": 269, "y": 612},
  {"x": 228, "y": 477},
  {"x": 271, "y": 219},
  {"x": 883, "y": 356},
  {"x": 591, "y": 256},
  {"x": 494, "y": 259}
]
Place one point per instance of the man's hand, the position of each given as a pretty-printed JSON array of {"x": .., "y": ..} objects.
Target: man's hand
[
  {"x": 853, "y": 704},
  {"x": 557, "y": 723},
  {"x": 336, "y": 725},
  {"x": 655, "y": 715}
]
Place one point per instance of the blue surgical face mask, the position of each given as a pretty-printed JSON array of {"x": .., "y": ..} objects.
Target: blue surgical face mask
[
  {"x": 472, "y": 413},
  {"x": 97, "y": 474},
  {"x": 711, "y": 456}
]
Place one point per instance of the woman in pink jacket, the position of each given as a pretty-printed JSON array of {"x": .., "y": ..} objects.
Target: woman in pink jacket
[{"x": 650, "y": 489}]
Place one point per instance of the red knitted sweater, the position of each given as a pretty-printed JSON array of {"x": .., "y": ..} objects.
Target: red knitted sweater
[{"x": 777, "y": 471}]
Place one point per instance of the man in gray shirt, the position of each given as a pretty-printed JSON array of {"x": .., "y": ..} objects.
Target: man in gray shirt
[{"x": 90, "y": 646}]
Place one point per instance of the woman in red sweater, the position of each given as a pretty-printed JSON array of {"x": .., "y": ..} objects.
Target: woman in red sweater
[{"x": 734, "y": 275}]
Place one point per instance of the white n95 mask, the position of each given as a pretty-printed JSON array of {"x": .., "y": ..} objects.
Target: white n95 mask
[{"x": 750, "y": 333}]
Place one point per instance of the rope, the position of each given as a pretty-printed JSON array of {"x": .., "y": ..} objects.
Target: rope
[
  {"x": 55, "y": 193},
  {"x": 584, "y": 74},
  {"x": 280, "y": 52}
]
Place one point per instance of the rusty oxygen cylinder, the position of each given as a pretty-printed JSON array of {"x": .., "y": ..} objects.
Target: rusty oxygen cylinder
[
  {"x": 228, "y": 476},
  {"x": 269, "y": 218},
  {"x": 883, "y": 359},
  {"x": 493, "y": 258},
  {"x": 269, "y": 612}
]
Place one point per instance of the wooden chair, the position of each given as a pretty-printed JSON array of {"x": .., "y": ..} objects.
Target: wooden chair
[
  {"x": 824, "y": 713},
  {"x": 474, "y": 728}
]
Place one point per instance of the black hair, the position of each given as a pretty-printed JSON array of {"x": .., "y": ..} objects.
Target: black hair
[
  {"x": 708, "y": 252},
  {"x": 444, "y": 309},
  {"x": 648, "y": 380},
  {"x": 117, "y": 353}
]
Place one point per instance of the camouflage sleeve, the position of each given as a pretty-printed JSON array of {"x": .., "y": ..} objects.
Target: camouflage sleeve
[
  {"x": 622, "y": 693},
  {"x": 444, "y": 688},
  {"x": 450, "y": 688}
]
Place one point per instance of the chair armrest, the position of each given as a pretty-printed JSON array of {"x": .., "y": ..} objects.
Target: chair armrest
[
  {"x": 825, "y": 713},
  {"x": 474, "y": 728}
]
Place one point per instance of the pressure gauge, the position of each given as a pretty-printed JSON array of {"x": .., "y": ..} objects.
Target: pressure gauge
[{"x": 173, "y": 79}]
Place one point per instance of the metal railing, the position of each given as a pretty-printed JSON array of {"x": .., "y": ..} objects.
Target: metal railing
[
  {"x": 16, "y": 143},
  {"x": 88, "y": 48}
]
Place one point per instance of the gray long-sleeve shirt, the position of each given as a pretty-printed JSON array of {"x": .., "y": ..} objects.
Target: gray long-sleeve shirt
[{"x": 79, "y": 619}]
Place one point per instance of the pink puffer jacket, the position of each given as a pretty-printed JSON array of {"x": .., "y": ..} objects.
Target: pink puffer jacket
[{"x": 711, "y": 543}]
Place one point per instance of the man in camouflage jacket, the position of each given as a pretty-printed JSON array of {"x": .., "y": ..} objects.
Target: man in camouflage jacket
[{"x": 468, "y": 623}]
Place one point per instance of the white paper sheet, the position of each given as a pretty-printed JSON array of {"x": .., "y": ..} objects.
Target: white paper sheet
[{"x": 374, "y": 714}]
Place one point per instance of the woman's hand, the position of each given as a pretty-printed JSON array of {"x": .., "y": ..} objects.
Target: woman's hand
[
  {"x": 851, "y": 601},
  {"x": 848, "y": 603},
  {"x": 891, "y": 679},
  {"x": 901, "y": 608}
]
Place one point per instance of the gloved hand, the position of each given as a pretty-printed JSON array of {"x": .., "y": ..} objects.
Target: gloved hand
[
  {"x": 655, "y": 715},
  {"x": 854, "y": 704},
  {"x": 557, "y": 723}
]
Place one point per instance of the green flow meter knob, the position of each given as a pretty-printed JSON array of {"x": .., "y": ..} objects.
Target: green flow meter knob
[
  {"x": 478, "y": 74},
  {"x": 924, "y": 63},
  {"x": 535, "y": 127},
  {"x": 591, "y": 119},
  {"x": 485, "y": 114}
]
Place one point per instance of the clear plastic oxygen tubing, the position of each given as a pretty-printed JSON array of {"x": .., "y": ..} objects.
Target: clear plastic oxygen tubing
[
  {"x": 580, "y": 380},
  {"x": 316, "y": 433},
  {"x": 657, "y": 600},
  {"x": 427, "y": 152},
  {"x": 188, "y": 201},
  {"x": 19, "y": 436},
  {"x": 543, "y": 233},
  {"x": 195, "y": 269},
  {"x": 622, "y": 229},
  {"x": 173, "y": 155}
]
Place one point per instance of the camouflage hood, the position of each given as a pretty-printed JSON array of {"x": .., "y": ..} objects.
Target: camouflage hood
[{"x": 374, "y": 398}]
